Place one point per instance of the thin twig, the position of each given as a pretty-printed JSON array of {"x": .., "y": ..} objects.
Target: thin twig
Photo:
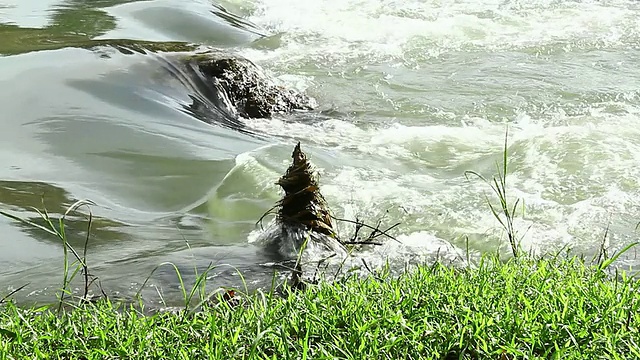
[
  {"x": 362, "y": 243},
  {"x": 366, "y": 266},
  {"x": 84, "y": 257},
  {"x": 12, "y": 293},
  {"x": 267, "y": 213},
  {"x": 369, "y": 227}
]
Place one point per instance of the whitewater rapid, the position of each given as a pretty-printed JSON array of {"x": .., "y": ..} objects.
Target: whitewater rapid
[{"x": 415, "y": 93}]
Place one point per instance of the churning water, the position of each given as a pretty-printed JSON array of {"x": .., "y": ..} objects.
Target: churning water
[{"x": 412, "y": 94}]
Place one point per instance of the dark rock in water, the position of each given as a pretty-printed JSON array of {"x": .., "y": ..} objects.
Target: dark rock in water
[
  {"x": 251, "y": 92},
  {"x": 226, "y": 86}
]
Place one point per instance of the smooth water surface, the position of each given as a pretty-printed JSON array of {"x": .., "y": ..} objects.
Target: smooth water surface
[{"x": 411, "y": 95}]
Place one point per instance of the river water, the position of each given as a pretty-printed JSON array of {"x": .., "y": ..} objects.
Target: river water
[{"x": 411, "y": 95}]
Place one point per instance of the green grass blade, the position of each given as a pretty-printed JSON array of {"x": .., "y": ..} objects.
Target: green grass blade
[
  {"x": 608, "y": 262},
  {"x": 28, "y": 222}
]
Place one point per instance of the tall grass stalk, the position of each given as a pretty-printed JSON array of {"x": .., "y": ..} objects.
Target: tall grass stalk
[
  {"x": 10, "y": 294},
  {"x": 505, "y": 213},
  {"x": 59, "y": 231}
]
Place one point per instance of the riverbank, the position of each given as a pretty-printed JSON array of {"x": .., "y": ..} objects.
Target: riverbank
[{"x": 549, "y": 309}]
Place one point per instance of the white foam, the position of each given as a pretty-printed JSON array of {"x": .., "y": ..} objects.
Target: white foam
[
  {"x": 338, "y": 30},
  {"x": 572, "y": 179}
]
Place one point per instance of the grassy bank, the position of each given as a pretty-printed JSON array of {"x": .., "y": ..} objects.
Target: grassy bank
[{"x": 547, "y": 309}]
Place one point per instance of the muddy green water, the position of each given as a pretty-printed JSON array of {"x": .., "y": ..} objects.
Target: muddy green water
[{"x": 411, "y": 95}]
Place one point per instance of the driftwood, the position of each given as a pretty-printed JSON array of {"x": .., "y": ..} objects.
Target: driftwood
[
  {"x": 302, "y": 203},
  {"x": 303, "y": 217},
  {"x": 303, "y": 222}
]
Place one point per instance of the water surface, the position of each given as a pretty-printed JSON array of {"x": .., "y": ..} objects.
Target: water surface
[{"x": 411, "y": 95}]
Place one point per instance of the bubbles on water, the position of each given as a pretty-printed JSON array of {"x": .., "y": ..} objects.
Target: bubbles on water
[{"x": 337, "y": 32}]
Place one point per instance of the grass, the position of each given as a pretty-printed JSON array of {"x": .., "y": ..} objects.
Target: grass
[
  {"x": 521, "y": 308},
  {"x": 505, "y": 213},
  {"x": 71, "y": 268}
]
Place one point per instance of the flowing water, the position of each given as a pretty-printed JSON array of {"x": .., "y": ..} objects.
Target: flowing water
[{"x": 411, "y": 95}]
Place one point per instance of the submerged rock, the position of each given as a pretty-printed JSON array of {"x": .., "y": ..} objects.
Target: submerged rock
[
  {"x": 227, "y": 85},
  {"x": 251, "y": 92}
]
